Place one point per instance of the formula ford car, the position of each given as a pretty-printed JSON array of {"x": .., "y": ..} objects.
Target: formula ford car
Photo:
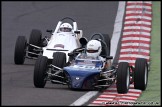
[
  {"x": 60, "y": 41},
  {"x": 87, "y": 73}
]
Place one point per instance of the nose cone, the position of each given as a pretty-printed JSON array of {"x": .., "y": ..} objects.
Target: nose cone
[
  {"x": 76, "y": 82},
  {"x": 79, "y": 76}
]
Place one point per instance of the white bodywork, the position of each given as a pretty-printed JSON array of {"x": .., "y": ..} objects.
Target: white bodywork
[{"x": 64, "y": 42}]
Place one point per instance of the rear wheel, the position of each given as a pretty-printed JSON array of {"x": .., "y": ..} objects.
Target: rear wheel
[
  {"x": 20, "y": 50},
  {"x": 40, "y": 71},
  {"x": 35, "y": 39},
  {"x": 123, "y": 77},
  {"x": 141, "y": 74},
  {"x": 108, "y": 42}
]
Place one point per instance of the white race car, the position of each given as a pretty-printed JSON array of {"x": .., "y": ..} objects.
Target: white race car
[{"x": 64, "y": 39}]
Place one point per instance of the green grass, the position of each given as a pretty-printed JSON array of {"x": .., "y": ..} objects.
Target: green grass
[{"x": 153, "y": 91}]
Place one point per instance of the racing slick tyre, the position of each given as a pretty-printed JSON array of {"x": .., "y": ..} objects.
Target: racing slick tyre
[
  {"x": 123, "y": 77},
  {"x": 20, "y": 50},
  {"x": 59, "y": 60},
  {"x": 35, "y": 39},
  {"x": 141, "y": 74},
  {"x": 108, "y": 42},
  {"x": 40, "y": 72}
]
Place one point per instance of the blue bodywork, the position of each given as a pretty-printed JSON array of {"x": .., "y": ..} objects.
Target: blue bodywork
[{"x": 82, "y": 73}]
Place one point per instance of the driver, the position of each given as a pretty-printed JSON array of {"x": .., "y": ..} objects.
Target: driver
[
  {"x": 65, "y": 27},
  {"x": 94, "y": 49}
]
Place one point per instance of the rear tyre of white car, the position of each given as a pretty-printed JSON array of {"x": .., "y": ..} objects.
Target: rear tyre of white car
[
  {"x": 108, "y": 42},
  {"x": 35, "y": 39},
  {"x": 40, "y": 72},
  {"x": 123, "y": 77},
  {"x": 141, "y": 74},
  {"x": 20, "y": 50},
  {"x": 59, "y": 60}
]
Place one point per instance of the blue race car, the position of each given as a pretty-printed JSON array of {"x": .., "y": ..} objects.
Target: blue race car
[{"x": 84, "y": 72}]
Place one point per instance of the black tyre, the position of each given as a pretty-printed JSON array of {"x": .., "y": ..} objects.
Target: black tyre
[
  {"x": 59, "y": 60},
  {"x": 141, "y": 74},
  {"x": 40, "y": 71},
  {"x": 35, "y": 39},
  {"x": 108, "y": 42},
  {"x": 123, "y": 77},
  {"x": 20, "y": 50}
]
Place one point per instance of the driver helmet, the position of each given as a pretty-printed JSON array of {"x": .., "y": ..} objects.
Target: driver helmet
[
  {"x": 93, "y": 48},
  {"x": 65, "y": 27}
]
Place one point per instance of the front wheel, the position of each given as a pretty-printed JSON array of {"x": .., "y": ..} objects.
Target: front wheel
[
  {"x": 20, "y": 50},
  {"x": 141, "y": 74},
  {"x": 40, "y": 71},
  {"x": 123, "y": 77}
]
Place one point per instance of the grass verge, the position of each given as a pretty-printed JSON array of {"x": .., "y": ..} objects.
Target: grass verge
[{"x": 152, "y": 95}]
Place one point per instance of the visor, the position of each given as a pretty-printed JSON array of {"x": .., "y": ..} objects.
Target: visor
[
  {"x": 65, "y": 29},
  {"x": 92, "y": 51}
]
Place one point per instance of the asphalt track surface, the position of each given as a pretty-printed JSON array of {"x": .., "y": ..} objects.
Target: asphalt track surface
[{"x": 19, "y": 18}]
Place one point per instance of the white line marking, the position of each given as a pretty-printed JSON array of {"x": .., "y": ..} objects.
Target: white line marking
[
  {"x": 149, "y": 2},
  {"x": 137, "y": 27},
  {"x": 140, "y": 17},
  {"x": 110, "y": 99},
  {"x": 98, "y": 102},
  {"x": 135, "y": 38},
  {"x": 134, "y": 90},
  {"x": 112, "y": 96},
  {"x": 117, "y": 28},
  {"x": 126, "y": 100},
  {"x": 133, "y": 98},
  {"x": 134, "y": 50},
  {"x": 139, "y": 6},
  {"x": 135, "y": 55},
  {"x": 128, "y": 12},
  {"x": 128, "y": 94},
  {"x": 135, "y": 44},
  {"x": 85, "y": 98},
  {"x": 144, "y": 33},
  {"x": 139, "y": 22}
]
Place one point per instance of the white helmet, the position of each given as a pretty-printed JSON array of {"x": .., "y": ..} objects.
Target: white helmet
[
  {"x": 65, "y": 27},
  {"x": 94, "y": 48}
]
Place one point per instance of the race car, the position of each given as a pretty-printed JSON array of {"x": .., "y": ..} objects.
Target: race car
[
  {"x": 91, "y": 69},
  {"x": 63, "y": 40}
]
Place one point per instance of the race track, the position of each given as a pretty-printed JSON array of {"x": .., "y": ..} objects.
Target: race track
[{"x": 19, "y": 18}]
